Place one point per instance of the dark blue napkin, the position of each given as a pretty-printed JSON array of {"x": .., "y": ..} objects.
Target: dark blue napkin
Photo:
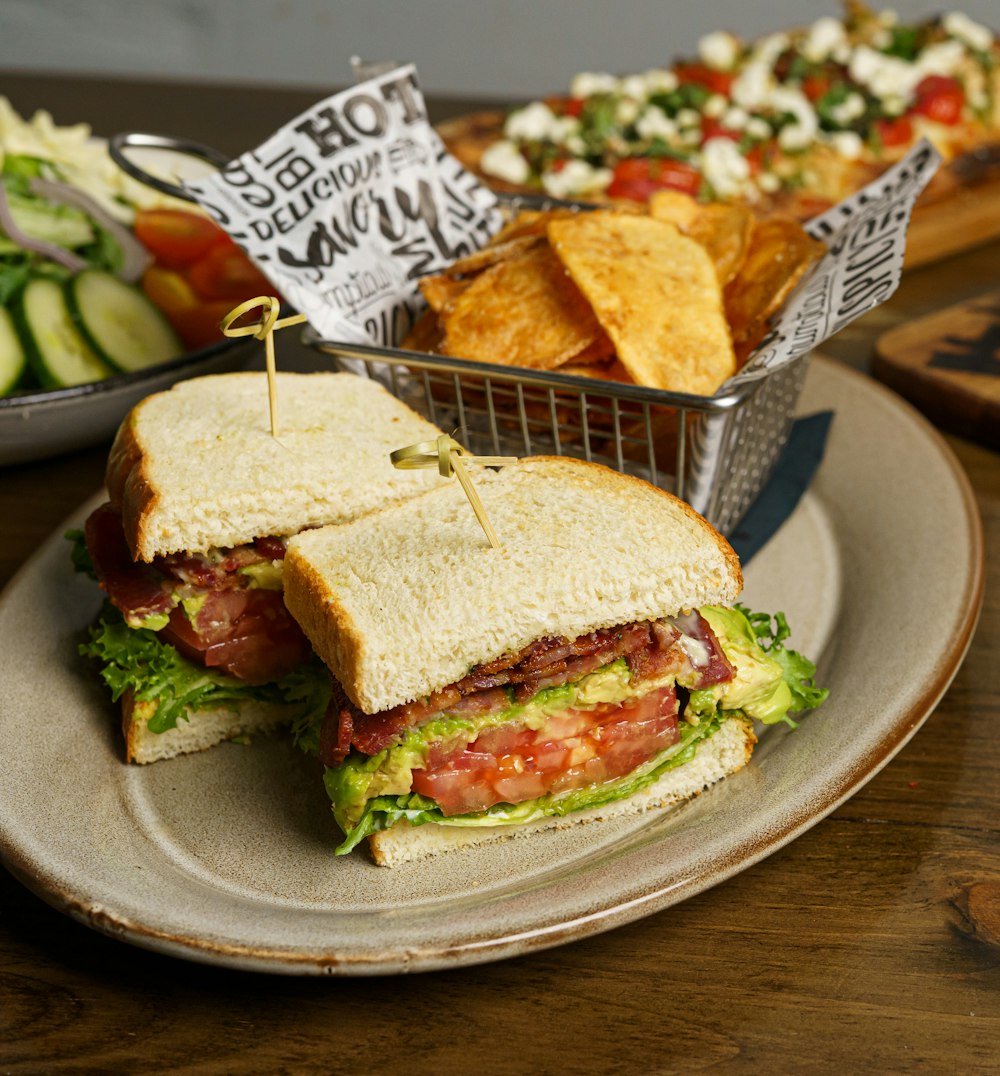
[{"x": 792, "y": 474}]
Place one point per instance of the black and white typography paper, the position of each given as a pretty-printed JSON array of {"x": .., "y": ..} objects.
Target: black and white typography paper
[{"x": 348, "y": 204}]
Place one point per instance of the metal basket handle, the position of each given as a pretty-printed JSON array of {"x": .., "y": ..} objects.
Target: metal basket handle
[{"x": 119, "y": 143}]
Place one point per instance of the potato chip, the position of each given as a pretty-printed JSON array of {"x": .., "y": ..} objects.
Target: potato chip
[
  {"x": 524, "y": 311},
  {"x": 656, "y": 294},
  {"x": 723, "y": 230},
  {"x": 779, "y": 253},
  {"x": 673, "y": 207},
  {"x": 440, "y": 290},
  {"x": 425, "y": 335}
]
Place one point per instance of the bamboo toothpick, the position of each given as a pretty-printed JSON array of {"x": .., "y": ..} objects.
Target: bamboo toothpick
[
  {"x": 262, "y": 329},
  {"x": 450, "y": 459}
]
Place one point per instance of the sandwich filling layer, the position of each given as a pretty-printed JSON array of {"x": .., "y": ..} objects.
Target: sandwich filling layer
[
  {"x": 561, "y": 726},
  {"x": 195, "y": 631}
]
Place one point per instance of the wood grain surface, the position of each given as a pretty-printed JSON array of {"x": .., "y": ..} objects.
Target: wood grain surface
[
  {"x": 947, "y": 363},
  {"x": 869, "y": 944}
]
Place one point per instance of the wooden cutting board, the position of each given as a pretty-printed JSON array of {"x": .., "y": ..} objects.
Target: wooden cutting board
[{"x": 948, "y": 365}]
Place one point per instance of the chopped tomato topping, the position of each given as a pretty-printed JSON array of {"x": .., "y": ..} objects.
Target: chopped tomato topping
[
  {"x": 703, "y": 75},
  {"x": 713, "y": 128},
  {"x": 896, "y": 132},
  {"x": 575, "y": 749},
  {"x": 940, "y": 98},
  {"x": 815, "y": 86},
  {"x": 636, "y": 178}
]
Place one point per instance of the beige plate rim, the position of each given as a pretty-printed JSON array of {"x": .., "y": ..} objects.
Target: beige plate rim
[{"x": 600, "y": 883}]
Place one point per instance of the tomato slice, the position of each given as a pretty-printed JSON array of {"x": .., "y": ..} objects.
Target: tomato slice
[
  {"x": 703, "y": 75},
  {"x": 576, "y": 749},
  {"x": 940, "y": 98},
  {"x": 225, "y": 272},
  {"x": 636, "y": 178},
  {"x": 174, "y": 237},
  {"x": 248, "y": 633}
]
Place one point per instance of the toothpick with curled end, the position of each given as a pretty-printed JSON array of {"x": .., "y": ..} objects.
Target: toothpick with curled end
[
  {"x": 262, "y": 329},
  {"x": 448, "y": 456}
]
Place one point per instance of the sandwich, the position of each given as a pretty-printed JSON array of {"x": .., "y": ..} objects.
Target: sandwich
[
  {"x": 592, "y": 665},
  {"x": 194, "y": 639}
]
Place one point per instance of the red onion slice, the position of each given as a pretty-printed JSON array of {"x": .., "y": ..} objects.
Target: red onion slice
[
  {"x": 52, "y": 251},
  {"x": 137, "y": 258}
]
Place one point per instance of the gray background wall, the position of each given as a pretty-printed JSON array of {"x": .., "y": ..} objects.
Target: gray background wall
[{"x": 488, "y": 48}]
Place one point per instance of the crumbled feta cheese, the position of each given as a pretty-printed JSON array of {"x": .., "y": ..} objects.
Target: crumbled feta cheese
[
  {"x": 504, "y": 160},
  {"x": 894, "y": 105},
  {"x": 758, "y": 128},
  {"x": 848, "y": 144},
  {"x": 769, "y": 48},
  {"x": 944, "y": 58},
  {"x": 881, "y": 39},
  {"x": 587, "y": 83},
  {"x": 888, "y": 17},
  {"x": 577, "y": 177},
  {"x": 768, "y": 182},
  {"x": 973, "y": 34},
  {"x": 533, "y": 123},
  {"x": 842, "y": 54},
  {"x": 725, "y": 168},
  {"x": 800, "y": 133},
  {"x": 885, "y": 76},
  {"x": 852, "y": 107},
  {"x": 659, "y": 80},
  {"x": 735, "y": 119},
  {"x": 753, "y": 86},
  {"x": 655, "y": 123},
  {"x": 626, "y": 111},
  {"x": 688, "y": 117},
  {"x": 719, "y": 50},
  {"x": 824, "y": 36},
  {"x": 633, "y": 87},
  {"x": 691, "y": 136},
  {"x": 715, "y": 106}
]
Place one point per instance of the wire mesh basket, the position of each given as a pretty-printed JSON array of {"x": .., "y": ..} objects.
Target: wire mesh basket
[{"x": 715, "y": 452}]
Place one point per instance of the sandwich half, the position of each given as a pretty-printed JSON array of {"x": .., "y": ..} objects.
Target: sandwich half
[
  {"x": 592, "y": 665},
  {"x": 195, "y": 640}
]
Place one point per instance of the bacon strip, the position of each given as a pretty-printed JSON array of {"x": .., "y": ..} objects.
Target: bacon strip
[{"x": 651, "y": 649}]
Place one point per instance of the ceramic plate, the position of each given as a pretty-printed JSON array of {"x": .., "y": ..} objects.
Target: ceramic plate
[{"x": 226, "y": 856}]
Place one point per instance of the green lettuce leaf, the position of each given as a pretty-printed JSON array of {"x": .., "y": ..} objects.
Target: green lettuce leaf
[
  {"x": 798, "y": 670},
  {"x": 136, "y": 659}
]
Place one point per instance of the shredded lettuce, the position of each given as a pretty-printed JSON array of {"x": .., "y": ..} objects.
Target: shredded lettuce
[{"x": 136, "y": 659}]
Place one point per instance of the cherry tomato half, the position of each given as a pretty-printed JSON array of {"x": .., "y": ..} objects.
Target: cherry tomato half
[
  {"x": 225, "y": 272},
  {"x": 175, "y": 238},
  {"x": 940, "y": 98}
]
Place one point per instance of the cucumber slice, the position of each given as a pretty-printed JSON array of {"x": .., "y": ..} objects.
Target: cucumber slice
[
  {"x": 12, "y": 359},
  {"x": 119, "y": 322},
  {"x": 58, "y": 353}
]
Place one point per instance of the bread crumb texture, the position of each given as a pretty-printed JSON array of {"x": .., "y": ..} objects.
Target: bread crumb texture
[
  {"x": 407, "y": 600},
  {"x": 196, "y": 466}
]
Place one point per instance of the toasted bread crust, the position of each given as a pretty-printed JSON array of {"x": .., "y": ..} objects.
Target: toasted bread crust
[
  {"x": 393, "y": 624},
  {"x": 195, "y": 466}
]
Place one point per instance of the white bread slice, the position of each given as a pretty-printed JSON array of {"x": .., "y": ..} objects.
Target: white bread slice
[
  {"x": 196, "y": 466},
  {"x": 727, "y": 751},
  {"x": 406, "y": 601},
  {"x": 198, "y": 729}
]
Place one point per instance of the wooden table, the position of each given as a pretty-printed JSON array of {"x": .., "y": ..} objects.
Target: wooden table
[{"x": 871, "y": 943}]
